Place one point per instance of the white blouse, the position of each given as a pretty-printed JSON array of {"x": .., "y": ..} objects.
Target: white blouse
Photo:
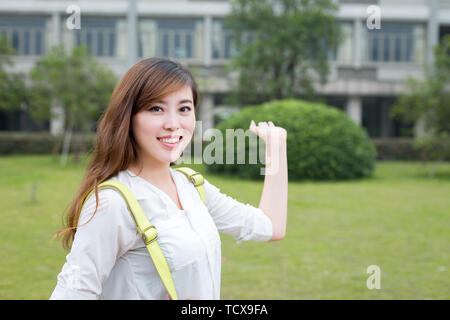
[{"x": 108, "y": 259}]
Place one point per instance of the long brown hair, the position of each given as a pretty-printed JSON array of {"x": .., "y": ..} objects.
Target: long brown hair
[{"x": 147, "y": 81}]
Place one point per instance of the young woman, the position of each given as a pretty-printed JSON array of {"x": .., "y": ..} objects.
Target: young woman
[{"x": 147, "y": 125}]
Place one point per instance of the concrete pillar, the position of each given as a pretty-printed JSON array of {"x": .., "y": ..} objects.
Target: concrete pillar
[
  {"x": 132, "y": 33},
  {"x": 433, "y": 30},
  {"x": 199, "y": 42},
  {"x": 206, "y": 112},
  {"x": 56, "y": 29},
  {"x": 122, "y": 38},
  {"x": 148, "y": 38},
  {"x": 354, "y": 109},
  {"x": 207, "y": 28},
  {"x": 357, "y": 37}
]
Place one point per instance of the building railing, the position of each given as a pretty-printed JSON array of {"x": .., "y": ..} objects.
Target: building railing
[
  {"x": 185, "y": 39},
  {"x": 27, "y": 35},
  {"x": 175, "y": 43},
  {"x": 100, "y": 42},
  {"x": 395, "y": 43}
]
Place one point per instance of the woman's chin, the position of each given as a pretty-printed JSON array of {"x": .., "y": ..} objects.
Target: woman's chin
[{"x": 173, "y": 158}]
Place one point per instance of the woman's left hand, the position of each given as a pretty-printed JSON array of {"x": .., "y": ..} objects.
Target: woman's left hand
[{"x": 268, "y": 131}]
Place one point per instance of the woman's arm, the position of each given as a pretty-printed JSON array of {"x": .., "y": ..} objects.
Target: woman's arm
[
  {"x": 274, "y": 195},
  {"x": 96, "y": 247}
]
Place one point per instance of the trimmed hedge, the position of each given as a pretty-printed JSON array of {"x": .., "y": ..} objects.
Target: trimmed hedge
[
  {"x": 40, "y": 142},
  {"x": 323, "y": 142},
  {"x": 388, "y": 149},
  {"x": 404, "y": 149}
]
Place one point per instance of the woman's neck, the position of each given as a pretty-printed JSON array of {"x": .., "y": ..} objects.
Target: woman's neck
[{"x": 156, "y": 174}]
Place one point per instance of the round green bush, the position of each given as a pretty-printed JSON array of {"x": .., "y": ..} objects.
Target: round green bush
[{"x": 323, "y": 143}]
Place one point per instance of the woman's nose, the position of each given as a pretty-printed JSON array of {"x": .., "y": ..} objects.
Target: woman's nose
[{"x": 172, "y": 121}]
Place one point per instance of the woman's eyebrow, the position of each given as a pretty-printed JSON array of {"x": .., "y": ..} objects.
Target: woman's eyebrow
[
  {"x": 181, "y": 101},
  {"x": 185, "y": 101}
]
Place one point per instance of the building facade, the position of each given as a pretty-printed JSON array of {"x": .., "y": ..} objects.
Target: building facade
[{"x": 368, "y": 69}]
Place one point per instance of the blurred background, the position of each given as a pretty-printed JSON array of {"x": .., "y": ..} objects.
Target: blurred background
[{"x": 381, "y": 66}]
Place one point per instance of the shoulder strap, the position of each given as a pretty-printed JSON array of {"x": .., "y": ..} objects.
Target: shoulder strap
[
  {"x": 196, "y": 178},
  {"x": 146, "y": 230}
]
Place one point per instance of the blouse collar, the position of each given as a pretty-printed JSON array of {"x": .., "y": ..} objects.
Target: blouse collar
[{"x": 143, "y": 189}]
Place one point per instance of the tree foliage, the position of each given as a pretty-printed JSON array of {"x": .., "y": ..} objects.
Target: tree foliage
[
  {"x": 12, "y": 84},
  {"x": 77, "y": 85},
  {"x": 429, "y": 98},
  {"x": 75, "y": 81},
  {"x": 282, "y": 47}
]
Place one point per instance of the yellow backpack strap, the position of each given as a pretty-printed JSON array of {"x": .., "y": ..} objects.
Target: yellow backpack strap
[
  {"x": 196, "y": 178},
  {"x": 146, "y": 230}
]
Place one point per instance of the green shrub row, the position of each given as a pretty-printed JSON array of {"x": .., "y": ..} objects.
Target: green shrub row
[
  {"x": 406, "y": 150},
  {"x": 41, "y": 142}
]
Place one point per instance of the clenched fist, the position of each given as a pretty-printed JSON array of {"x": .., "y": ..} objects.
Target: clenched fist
[{"x": 268, "y": 131}]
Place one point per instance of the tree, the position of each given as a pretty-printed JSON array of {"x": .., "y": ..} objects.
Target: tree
[
  {"x": 76, "y": 83},
  {"x": 282, "y": 47},
  {"x": 12, "y": 84},
  {"x": 428, "y": 100}
]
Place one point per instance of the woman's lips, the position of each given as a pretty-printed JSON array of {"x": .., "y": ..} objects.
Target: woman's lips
[{"x": 168, "y": 145}]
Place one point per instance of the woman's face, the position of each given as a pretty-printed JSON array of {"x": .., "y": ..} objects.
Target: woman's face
[{"x": 163, "y": 129}]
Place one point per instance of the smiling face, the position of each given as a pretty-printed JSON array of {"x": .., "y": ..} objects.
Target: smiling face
[{"x": 163, "y": 129}]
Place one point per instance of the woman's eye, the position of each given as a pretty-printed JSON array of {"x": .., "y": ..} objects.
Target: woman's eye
[
  {"x": 159, "y": 109},
  {"x": 155, "y": 108}
]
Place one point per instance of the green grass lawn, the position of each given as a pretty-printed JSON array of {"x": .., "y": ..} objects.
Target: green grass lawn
[{"x": 398, "y": 220}]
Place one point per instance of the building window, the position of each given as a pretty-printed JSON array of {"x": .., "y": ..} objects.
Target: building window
[
  {"x": 222, "y": 43},
  {"x": 222, "y": 46},
  {"x": 99, "y": 35},
  {"x": 175, "y": 38},
  {"x": 25, "y": 34},
  {"x": 391, "y": 43}
]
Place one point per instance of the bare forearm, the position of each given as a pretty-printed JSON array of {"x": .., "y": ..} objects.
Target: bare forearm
[{"x": 274, "y": 195}]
